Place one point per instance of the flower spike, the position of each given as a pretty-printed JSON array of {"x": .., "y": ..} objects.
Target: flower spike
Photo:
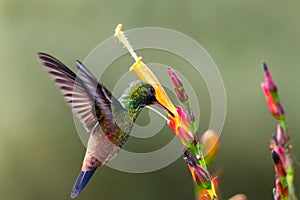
[{"x": 280, "y": 143}]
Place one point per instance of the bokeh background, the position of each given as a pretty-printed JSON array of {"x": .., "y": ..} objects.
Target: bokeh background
[{"x": 40, "y": 151}]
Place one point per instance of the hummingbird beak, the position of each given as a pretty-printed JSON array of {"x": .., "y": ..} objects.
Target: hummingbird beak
[{"x": 164, "y": 107}]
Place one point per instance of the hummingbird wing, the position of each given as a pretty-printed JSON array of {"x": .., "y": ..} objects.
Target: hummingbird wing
[
  {"x": 102, "y": 98},
  {"x": 72, "y": 89}
]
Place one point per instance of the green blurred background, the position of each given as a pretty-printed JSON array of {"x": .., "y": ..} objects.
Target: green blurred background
[{"x": 40, "y": 152}]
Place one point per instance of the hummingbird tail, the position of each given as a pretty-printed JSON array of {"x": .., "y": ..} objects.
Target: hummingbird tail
[
  {"x": 90, "y": 164},
  {"x": 81, "y": 182}
]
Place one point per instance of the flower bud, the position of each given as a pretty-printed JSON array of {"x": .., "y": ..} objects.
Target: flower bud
[
  {"x": 268, "y": 80},
  {"x": 201, "y": 176},
  {"x": 182, "y": 116},
  {"x": 172, "y": 126},
  {"x": 190, "y": 116},
  {"x": 275, "y": 108},
  {"x": 210, "y": 145},
  {"x": 280, "y": 135},
  {"x": 185, "y": 137},
  {"x": 178, "y": 86}
]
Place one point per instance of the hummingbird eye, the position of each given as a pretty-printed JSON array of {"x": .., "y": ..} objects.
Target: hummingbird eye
[{"x": 151, "y": 91}]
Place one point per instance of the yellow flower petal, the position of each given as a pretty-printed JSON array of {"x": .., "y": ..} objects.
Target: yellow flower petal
[{"x": 145, "y": 74}]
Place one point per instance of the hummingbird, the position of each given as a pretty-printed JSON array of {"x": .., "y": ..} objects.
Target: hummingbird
[{"x": 109, "y": 120}]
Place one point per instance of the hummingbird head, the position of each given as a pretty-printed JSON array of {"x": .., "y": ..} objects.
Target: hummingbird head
[{"x": 140, "y": 94}]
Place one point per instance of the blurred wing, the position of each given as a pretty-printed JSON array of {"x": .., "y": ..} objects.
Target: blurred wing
[
  {"x": 72, "y": 89},
  {"x": 102, "y": 97}
]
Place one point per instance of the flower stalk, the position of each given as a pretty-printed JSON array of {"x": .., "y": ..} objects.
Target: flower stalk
[
  {"x": 205, "y": 184},
  {"x": 280, "y": 145}
]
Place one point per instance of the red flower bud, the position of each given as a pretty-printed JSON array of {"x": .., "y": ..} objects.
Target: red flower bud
[{"x": 268, "y": 79}]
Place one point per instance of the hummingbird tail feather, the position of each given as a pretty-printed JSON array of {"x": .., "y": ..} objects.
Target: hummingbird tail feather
[
  {"x": 81, "y": 182},
  {"x": 89, "y": 166}
]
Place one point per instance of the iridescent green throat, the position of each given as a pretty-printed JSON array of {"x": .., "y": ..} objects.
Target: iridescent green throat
[{"x": 132, "y": 99}]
